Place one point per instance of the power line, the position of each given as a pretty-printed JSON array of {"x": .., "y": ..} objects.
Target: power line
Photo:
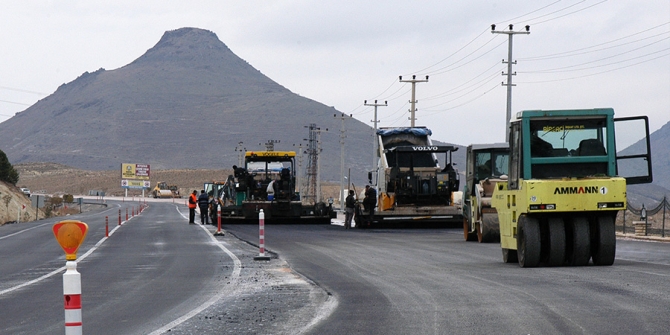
[
  {"x": 564, "y": 15},
  {"x": 14, "y": 102},
  {"x": 568, "y": 68},
  {"x": 21, "y": 90},
  {"x": 577, "y": 51},
  {"x": 597, "y": 73}
]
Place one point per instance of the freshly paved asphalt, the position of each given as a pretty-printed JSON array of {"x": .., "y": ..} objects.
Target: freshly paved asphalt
[{"x": 425, "y": 281}]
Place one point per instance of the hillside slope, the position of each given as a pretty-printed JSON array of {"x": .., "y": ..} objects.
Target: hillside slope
[{"x": 186, "y": 103}]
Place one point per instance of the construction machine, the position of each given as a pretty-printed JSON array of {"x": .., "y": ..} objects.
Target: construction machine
[
  {"x": 486, "y": 165},
  {"x": 566, "y": 183},
  {"x": 411, "y": 186},
  {"x": 266, "y": 182},
  {"x": 163, "y": 190}
]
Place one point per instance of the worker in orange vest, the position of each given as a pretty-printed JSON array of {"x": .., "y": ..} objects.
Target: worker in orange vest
[{"x": 192, "y": 203}]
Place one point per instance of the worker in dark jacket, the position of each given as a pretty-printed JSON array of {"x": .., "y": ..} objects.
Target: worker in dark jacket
[
  {"x": 203, "y": 203},
  {"x": 192, "y": 203},
  {"x": 371, "y": 200},
  {"x": 350, "y": 203}
]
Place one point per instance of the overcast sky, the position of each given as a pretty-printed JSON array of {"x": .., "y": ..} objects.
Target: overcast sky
[{"x": 579, "y": 54}]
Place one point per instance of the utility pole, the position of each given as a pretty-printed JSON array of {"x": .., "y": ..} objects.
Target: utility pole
[
  {"x": 240, "y": 154},
  {"x": 318, "y": 165},
  {"x": 270, "y": 145},
  {"x": 342, "y": 136},
  {"x": 413, "y": 101},
  {"x": 374, "y": 135},
  {"x": 509, "y": 73},
  {"x": 314, "y": 164},
  {"x": 310, "y": 191},
  {"x": 298, "y": 172}
]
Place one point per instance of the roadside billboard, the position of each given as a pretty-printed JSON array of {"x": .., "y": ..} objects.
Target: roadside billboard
[{"x": 135, "y": 171}]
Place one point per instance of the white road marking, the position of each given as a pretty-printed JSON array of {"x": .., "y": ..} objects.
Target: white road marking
[
  {"x": 234, "y": 277},
  {"x": 61, "y": 269}
]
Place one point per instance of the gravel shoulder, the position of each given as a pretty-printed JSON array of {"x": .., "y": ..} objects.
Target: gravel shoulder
[{"x": 268, "y": 297}]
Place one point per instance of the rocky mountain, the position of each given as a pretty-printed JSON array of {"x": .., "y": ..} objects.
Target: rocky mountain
[{"x": 186, "y": 103}]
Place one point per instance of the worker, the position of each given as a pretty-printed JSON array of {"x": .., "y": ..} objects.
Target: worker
[
  {"x": 192, "y": 203},
  {"x": 371, "y": 200},
  {"x": 271, "y": 190},
  {"x": 350, "y": 203},
  {"x": 214, "y": 206},
  {"x": 203, "y": 203},
  {"x": 239, "y": 171}
]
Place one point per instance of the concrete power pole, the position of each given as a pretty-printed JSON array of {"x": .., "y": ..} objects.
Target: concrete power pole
[
  {"x": 413, "y": 101},
  {"x": 374, "y": 135},
  {"x": 318, "y": 164},
  {"x": 298, "y": 173},
  {"x": 509, "y": 73},
  {"x": 241, "y": 150},
  {"x": 342, "y": 136},
  {"x": 310, "y": 192}
]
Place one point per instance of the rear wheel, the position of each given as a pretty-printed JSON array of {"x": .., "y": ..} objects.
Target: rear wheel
[
  {"x": 579, "y": 242},
  {"x": 528, "y": 242},
  {"x": 603, "y": 243},
  {"x": 509, "y": 256},
  {"x": 556, "y": 242}
]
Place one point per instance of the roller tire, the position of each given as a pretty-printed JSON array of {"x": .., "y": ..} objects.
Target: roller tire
[
  {"x": 603, "y": 241},
  {"x": 556, "y": 242},
  {"x": 579, "y": 246},
  {"x": 488, "y": 230},
  {"x": 528, "y": 242},
  {"x": 467, "y": 234},
  {"x": 509, "y": 256}
]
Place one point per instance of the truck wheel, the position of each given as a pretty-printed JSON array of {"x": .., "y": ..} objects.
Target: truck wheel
[
  {"x": 509, "y": 256},
  {"x": 469, "y": 236},
  {"x": 528, "y": 242},
  {"x": 556, "y": 242},
  {"x": 603, "y": 244},
  {"x": 579, "y": 242}
]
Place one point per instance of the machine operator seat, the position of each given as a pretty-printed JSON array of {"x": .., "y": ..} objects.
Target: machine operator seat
[{"x": 591, "y": 147}]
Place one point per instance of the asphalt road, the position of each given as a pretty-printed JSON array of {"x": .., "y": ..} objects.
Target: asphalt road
[
  {"x": 157, "y": 274},
  {"x": 432, "y": 282}
]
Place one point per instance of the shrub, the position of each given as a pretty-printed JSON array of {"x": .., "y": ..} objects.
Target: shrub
[{"x": 7, "y": 171}]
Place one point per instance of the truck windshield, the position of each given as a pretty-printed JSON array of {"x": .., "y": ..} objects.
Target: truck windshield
[{"x": 562, "y": 138}]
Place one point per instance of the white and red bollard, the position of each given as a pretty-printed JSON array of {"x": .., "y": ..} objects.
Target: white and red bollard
[
  {"x": 106, "y": 226},
  {"x": 119, "y": 217},
  {"x": 72, "y": 299},
  {"x": 261, "y": 238},
  {"x": 218, "y": 220}
]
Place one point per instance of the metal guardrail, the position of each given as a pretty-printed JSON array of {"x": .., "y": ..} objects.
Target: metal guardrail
[{"x": 645, "y": 219}]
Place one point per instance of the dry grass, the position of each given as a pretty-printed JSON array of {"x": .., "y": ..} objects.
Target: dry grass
[{"x": 52, "y": 178}]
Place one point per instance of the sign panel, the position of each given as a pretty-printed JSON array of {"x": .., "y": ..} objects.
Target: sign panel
[
  {"x": 70, "y": 234},
  {"x": 135, "y": 171},
  {"x": 125, "y": 183}
]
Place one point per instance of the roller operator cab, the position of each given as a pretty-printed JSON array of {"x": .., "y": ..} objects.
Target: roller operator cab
[
  {"x": 486, "y": 165},
  {"x": 567, "y": 181}
]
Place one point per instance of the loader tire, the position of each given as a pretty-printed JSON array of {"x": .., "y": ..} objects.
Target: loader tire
[
  {"x": 528, "y": 242},
  {"x": 556, "y": 242},
  {"x": 579, "y": 242},
  {"x": 603, "y": 241}
]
